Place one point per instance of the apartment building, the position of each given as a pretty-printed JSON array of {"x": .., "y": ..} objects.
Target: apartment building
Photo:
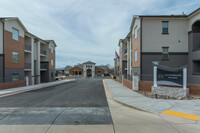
[
  {"x": 173, "y": 40},
  {"x": 25, "y": 59}
]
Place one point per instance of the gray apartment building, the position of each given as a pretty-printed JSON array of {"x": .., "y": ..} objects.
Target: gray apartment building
[
  {"x": 173, "y": 40},
  {"x": 25, "y": 59}
]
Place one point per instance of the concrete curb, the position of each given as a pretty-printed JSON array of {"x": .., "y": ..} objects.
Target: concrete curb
[
  {"x": 120, "y": 102},
  {"x": 36, "y": 87}
]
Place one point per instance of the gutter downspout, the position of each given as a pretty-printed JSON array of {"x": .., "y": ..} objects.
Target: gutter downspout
[
  {"x": 141, "y": 49},
  {"x": 2, "y": 20}
]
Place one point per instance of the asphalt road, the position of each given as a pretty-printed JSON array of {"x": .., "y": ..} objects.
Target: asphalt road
[{"x": 82, "y": 102}]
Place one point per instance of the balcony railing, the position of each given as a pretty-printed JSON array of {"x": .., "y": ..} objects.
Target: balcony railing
[
  {"x": 125, "y": 51},
  {"x": 27, "y": 65},
  {"x": 27, "y": 47},
  {"x": 44, "y": 52},
  {"x": 43, "y": 66}
]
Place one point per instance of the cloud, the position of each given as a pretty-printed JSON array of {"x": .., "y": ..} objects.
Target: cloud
[{"x": 87, "y": 29}]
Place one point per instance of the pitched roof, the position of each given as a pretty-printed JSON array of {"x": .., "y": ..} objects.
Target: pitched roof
[
  {"x": 14, "y": 18},
  {"x": 105, "y": 68},
  {"x": 89, "y": 62},
  {"x": 51, "y": 41}
]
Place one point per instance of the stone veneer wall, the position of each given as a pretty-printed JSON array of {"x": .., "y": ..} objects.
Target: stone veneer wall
[{"x": 146, "y": 86}]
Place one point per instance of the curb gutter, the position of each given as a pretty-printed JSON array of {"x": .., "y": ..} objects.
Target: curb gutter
[{"x": 34, "y": 88}]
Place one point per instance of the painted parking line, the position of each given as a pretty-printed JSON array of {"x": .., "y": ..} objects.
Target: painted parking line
[{"x": 182, "y": 115}]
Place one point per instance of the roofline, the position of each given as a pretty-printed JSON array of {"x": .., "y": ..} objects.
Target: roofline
[
  {"x": 120, "y": 40},
  {"x": 163, "y": 16},
  {"x": 15, "y": 18},
  {"x": 89, "y": 63},
  {"x": 75, "y": 67},
  {"x": 30, "y": 34},
  {"x": 171, "y": 16},
  {"x": 51, "y": 41}
]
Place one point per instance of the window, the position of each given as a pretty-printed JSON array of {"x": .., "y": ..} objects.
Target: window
[
  {"x": 135, "y": 31},
  {"x": 79, "y": 72},
  {"x": 51, "y": 62},
  {"x": 52, "y": 75},
  {"x": 15, "y": 34},
  {"x": 135, "y": 55},
  {"x": 76, "y": 73},
  {"x": 51, "y": 49},
  {"x": 15, "y": 57},
  {"x": 165, "y": 52},
  {"x": 165, "y": 27},
  {"x": 15, "y": 77},
  {"x": 72, "y": 72}
]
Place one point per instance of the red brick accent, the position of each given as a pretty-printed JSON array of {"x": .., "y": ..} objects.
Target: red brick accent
[
  {"x": 145, "y": 86},
  {"x": 13, "y": 46},
  {"x": 99, "y": 69},
  {"x": 76, "y": 69},
  {"x": 136, "y": 46},
  {"x": 117, "y": 79},
  {"x": 194, "y": 89},
  {"x": 12, "y": 84},
  {"x": 128, "y": 83}
]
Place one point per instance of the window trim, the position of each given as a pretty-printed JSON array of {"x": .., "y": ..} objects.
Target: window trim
[
  {"x": 135, "y": 32},
  {"x": 52, "y": 62},
  {"x": 18, "y": 33},
  {"x": 135, "y": 57},
  {"x": 15, "y": 75},
  {"x": 165, "y": 53},
  {"x": 165, "y": 28},
  {"x": 13, "y": 58},
  {"x": 52, "y": 49}
]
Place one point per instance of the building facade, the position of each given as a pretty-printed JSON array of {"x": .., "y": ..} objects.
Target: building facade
[
  {"x": 88, "y": 69},
  {"x": 25, "y": 58},
  {"x": 173, "y": 40}
]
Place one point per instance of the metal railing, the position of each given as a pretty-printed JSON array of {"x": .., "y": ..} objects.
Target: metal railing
[
  {"x": 27, "y": 47},
  {"x": 27, "y": 65},
  {"x": 43, "y": 66},
  {"x": 125, "y": 51},
  {"x": 44, "y": 52}
]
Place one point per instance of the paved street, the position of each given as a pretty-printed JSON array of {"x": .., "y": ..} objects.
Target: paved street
[
  {"x": 81, "y": 106},
  {"x": 82, "y": 102}
]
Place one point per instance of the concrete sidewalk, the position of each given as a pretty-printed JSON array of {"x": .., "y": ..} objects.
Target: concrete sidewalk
[
  {"x": 133, "y": 99},
  {"x": 12, "y": 91}
]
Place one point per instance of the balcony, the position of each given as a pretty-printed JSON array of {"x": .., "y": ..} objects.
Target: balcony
[
  {"x": 196, "y": 55},
  {"x": 27, "y": 65},
  {"x": 43, "y": 52},
  {"x": 27, "y": 48},
  {"x": 43, "y": 66}
]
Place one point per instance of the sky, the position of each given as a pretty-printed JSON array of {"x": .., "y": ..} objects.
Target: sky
[{"x": 87, "y": 30}]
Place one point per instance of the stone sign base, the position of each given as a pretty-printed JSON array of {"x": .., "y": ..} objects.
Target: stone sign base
[{"x": 170, "y": 92}]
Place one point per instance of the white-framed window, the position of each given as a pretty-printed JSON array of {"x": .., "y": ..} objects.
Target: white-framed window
[
  {"x": 15, "y": 57},
  {"x": 15, "y": 34},
  {"x": 51, "y": 62},
  {"x": 135, "y": 55},
  {"x": 52, "y": 49},
  {"x": 165, "y": 27},
  {"x": 15, "y": 77},
  {"x": 165, "y": 52},
  {"x": 135, "y": 32}
]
